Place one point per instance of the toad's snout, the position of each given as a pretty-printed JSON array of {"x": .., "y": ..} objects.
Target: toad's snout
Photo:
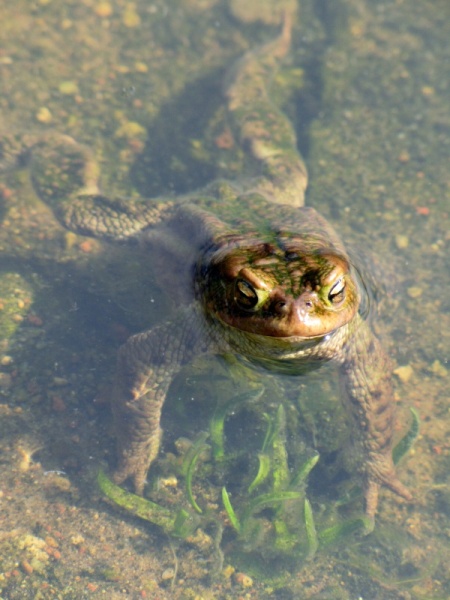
[
  {"x": 298, "y": 307},
  {"x": 305, "y": 303}
]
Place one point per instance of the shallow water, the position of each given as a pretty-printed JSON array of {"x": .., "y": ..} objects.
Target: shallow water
[{"x": 367, "y": 85}]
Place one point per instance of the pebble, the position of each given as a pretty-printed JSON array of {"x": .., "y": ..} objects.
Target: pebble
[
  {"x": 414, "y": 292},
  {"x": 167, "y": 574},
  {"x": 439, "y": 369},
  {"x": 50, "y": 541},
  {"x": 401, "y": 241},
  {"x": 77, "y": 540},
  {"x": 103, "y": 9},
  {"x": 427, "y": 90},
  {"x": 44, "y": 115},
  {"x": 130, "y": 130},
  {"x": 60, "y": 381},
  {"x": 130, "y": 17},
  {"x": 228, "y": 571},
  {"x": 243, "y": 580},
  {"x": 170, "y": 481},
  {"x": 141, "y": 67},
  {"x": 404, "y": 373},
  {"x": 26, "y": 567},
  {"x": 68, "y": 88}
]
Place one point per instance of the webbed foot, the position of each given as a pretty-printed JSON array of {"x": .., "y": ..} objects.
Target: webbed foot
[
  {"x": 382, "y": 473},
  {"x": 134, "y": 469},
  {"x": 62, "y": 169},
  {"x": 138, "y": 437}
]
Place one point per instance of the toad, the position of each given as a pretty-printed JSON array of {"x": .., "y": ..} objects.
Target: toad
[{"x": 276, "y": 287}]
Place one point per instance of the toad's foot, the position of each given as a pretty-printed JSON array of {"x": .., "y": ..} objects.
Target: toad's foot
[
  {"x": 62, "y": 168},
  {"x": 65, "y": 175},
  {"x": 381, "y": 472}
]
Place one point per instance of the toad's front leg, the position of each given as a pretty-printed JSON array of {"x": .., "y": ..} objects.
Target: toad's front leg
[
  {"x": 367, "y": 375},
  {"x": 147, "y": 364}
]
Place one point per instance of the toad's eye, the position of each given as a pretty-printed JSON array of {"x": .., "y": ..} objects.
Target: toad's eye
[
  {"x": 337, "y": 292},
  {"x": 245, "y": 295}
]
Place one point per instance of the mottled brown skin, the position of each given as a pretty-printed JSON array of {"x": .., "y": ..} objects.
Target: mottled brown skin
[{"x": 277, "y": 289}]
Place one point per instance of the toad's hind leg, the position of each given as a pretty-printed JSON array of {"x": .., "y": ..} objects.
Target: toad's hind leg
[{"x": 262, "y": 128}]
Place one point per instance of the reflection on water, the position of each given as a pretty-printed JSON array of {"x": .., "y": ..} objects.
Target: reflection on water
[{"x": 367, "y": 86}]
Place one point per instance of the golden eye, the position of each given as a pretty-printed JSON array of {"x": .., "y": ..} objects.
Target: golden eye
[
  {"x": 337, "y": 292},
  {"x": 245, "y": 295}
]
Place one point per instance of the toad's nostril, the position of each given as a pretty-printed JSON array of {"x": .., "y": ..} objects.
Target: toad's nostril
[{"x": 281, "y": 307}]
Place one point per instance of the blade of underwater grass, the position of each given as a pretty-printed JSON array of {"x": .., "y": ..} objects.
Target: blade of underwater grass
[
  {"x": 185, "y": 524},
  {"x": 405, "y": 444},
  {"x": 263, "y": 471},
  {"x": 311, "y": 532},
  {"x": 230, "y": 510},
  {"x": 199, "y": 441},
  {"x": 306, "y": 468},
  {"x": 217, "y": 423},
  {"x": 136, "y": 505},
  {"x": 197, "y": 448},
  {"x": 280, "y": 467},
  {"x": 266, "y": 500},
  {"x": 341, "y": 530},
  {"x": 269, "y": 432}
]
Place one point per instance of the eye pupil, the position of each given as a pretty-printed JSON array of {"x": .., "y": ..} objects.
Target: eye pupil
[
  {"x": 337, "y": 292},
  {"x": 246, "y": 296}
]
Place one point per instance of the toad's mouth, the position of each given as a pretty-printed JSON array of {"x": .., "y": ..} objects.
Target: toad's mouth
[
  {"x": 265, "y": 339},
  {"x": 280, "y": 354}
]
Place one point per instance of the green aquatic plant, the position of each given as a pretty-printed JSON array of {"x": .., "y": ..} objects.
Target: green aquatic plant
[
  {"x": 217, "y": 423},
  {"x": 179, "y": 523},
  {"x": 263, "y": 471},
  {"x": 270, "y": 517},
  {"x": 280, "y": 469},
  {"x": 305, "y": 469},
  {"x": 230, "y": 510},
  {"x": 189, "y": 465},
  {"x": 265, "y": 500},
  {"x": 407, "y": 441},
  {"x": 311, "y": 533},
  {"x": 346, "y": 528}
]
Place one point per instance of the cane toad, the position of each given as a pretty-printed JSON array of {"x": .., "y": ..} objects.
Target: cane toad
[{"x": 278, "y": 288}]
